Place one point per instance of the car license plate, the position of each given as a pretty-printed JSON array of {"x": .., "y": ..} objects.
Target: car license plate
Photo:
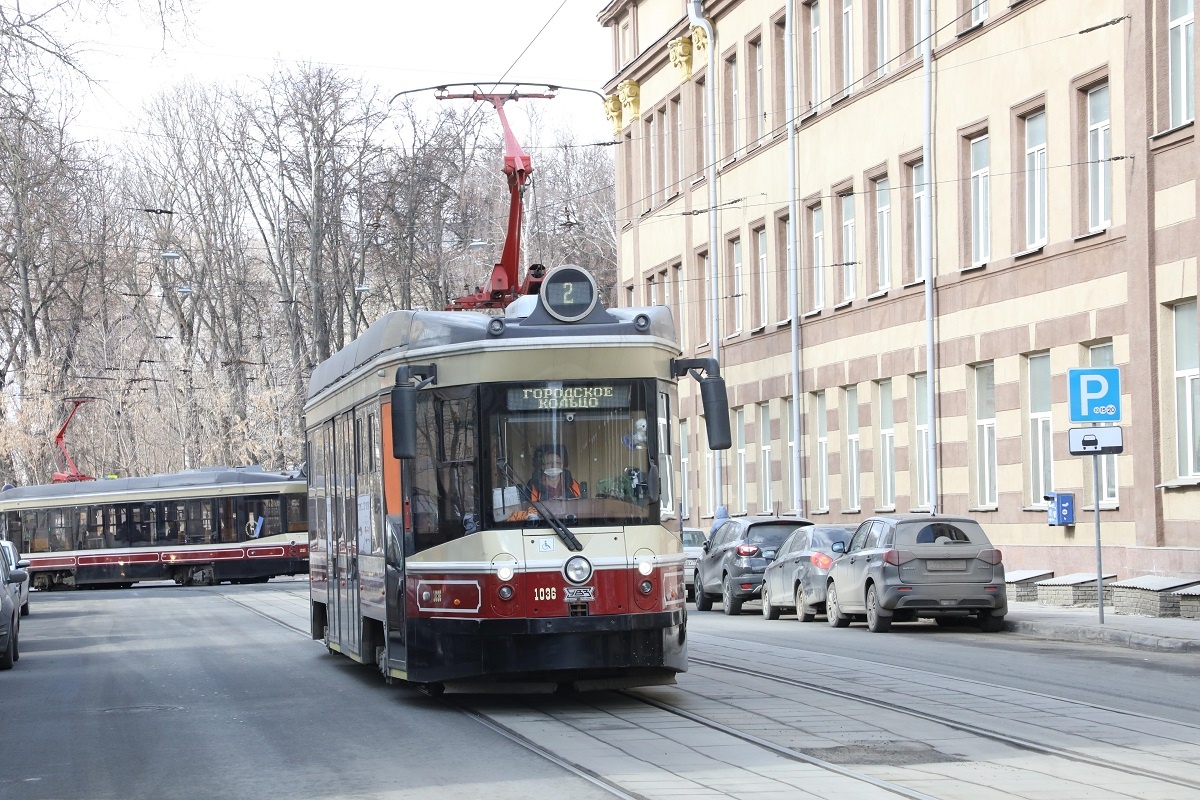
[
  {"x": 691, "y": 562},
  {"x": 946, "y": 565}
]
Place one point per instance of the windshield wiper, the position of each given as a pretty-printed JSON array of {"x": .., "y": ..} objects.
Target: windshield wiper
[{"x": 557, "y": 524}]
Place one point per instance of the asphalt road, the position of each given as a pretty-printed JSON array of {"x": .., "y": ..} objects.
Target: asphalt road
[{"x": 172, "y": 692}]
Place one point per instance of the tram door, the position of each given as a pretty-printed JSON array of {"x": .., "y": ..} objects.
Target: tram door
[{"x": 345, "y": 585}]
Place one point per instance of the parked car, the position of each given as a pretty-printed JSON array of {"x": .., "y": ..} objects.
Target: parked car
[
  {"x": 10, "y": 614},
  {"x": 13, "y": 557},
  {"x": 795, "y": 580},
  {"x": 693, "y": 548},
  {"x": 917, "y": 565},
  {"x": 735, "y": 558}
]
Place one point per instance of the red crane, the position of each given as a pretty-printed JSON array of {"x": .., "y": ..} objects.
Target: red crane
[{"x": 72, "y": 474}]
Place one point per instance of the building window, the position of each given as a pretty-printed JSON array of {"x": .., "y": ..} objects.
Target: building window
[
  {"x": 849, "y": 251},
  {"x": 703, "y": 156},
  {"x": 764, "y": 457},
  {"x": 733, "y": 140},
  {"x": 664, "y": 154},
  {"x": 881, "y": 37},
  {"x": 740, "y": 426},
  {"x": 921, "y": 417},
  {"x": 764, "y": 278},
  {"x": 981, "y": 232},
  {"x": 1101, "y": 355},
  {"x": 652, "y": 162},
  {"x": 1041, "y": 447},
  {"x": 985, "y": 436},
  {"x": 1187, "y": 390},
  {"x": 790, "y": 468},
  {"x": 853, "y": 470},
  {"x": 783, "y": 264},
  {"x": 681, "y": 306},
  {"x": 818, "y": 258},
  {"x": 1036, "y": 180},
  {"x": 887, "y": 448},
  {"x": 759, "y": 101},
  {"x": 703, "y": 313},
  {"x": 739, "y": 283},
  {"x": 778, "y": 66},
  {"x": 919, "y": 206},
  {"x": 710, "y": 475},
  {"x": 1099, "y": 144},
  {"x": 883, "y": 234},
  {"x": 1182, "y": 56},
  {"x": 814, "y": 54},
  {"x": 822, "y": 454},
  {"x": 847, "y": 46},
  {"x": 684, "y": 466},
  {"x": 979, "y": 11}
]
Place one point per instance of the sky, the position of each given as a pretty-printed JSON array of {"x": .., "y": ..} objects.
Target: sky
[{"x": 394, "y": 45}]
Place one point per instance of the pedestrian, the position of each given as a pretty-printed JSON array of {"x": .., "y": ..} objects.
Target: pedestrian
[{"x": 722, "y": 515}]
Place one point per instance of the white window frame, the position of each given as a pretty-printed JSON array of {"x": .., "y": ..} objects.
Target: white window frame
[
  {"x": 818, "y": 256},
  {"x": 920, "y": 197},
  {"x": 853, "y": 451},
  {"x": 685, "y": 463},
  {"x": 1037, "y": 212},
  {"x": 847, "y": 46},
  {"x": 764, "y": 281},
  {"x": 814, "y": 53},
  {"x": 784, "y": 264},
  {"x": 739, "y": 286},
  {"x": 1099, "y": 139},
  {"x": 789, "y": 469},
  {"x": 1101, "y": 355},
  {"x": 1187, "y": 392},
  {"x": 681, "y": 309},
  {"x": 764, "y": 457},
  {"x": 742, "y": 482},
  {"x": 849, "y": 249},
  {"x": 883, "y": 233},
  {"x": 677, "y": 110},
  {"x": 734, "y": 119},
  {"x": 1041, "y": 432},
  {"x": 1181, "y": 64},
  {"x": 704, "y": 315},
  {"x": 881, "y": 37},
  {"x": 923, "y": 497},
  {"x": 822, "y": 453},
  {"x": 652, "y": 145},
  {"x": 985, "y": 440},
  {"x": 979, "y": 11},
  {"x": 760, "y": 103},
  {"x": 981, "y": 231},
  {"x": 710, "y": 473},
  {"x": 887, "y": 446}
]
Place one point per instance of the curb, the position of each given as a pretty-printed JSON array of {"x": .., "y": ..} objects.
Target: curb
[{"x": 1096, "y": 634}]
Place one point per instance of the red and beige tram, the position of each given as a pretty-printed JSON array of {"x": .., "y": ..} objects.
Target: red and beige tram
[
  {"x": 196, "y": 527},
  {"x": 438, "y": 552}
]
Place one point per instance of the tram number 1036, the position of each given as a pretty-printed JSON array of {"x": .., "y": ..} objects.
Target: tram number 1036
[{"x": 545, "y": 593}]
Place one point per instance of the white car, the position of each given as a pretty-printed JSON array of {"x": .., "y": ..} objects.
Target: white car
[
  {"x": 693, "y": 548},
  {"x": 16, "y": 562}
]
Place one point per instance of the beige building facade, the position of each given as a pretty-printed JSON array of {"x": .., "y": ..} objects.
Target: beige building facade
[{"x": 1062, "y": 195}]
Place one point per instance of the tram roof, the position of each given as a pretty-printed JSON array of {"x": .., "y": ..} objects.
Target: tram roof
[
  {"x": 398, "y": 331},
  {"x": 188, "y": 479}
]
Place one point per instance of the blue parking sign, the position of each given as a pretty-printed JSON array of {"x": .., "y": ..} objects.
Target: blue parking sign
[{"x": 1094, "y": 394}]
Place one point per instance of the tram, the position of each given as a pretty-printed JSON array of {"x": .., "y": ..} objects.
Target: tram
[
  {"x": 439, "y": 554},
  {"x": 197, "y": 527}
]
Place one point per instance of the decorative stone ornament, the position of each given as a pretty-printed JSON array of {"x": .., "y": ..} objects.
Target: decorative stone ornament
[
  {"x": 612, "y": 110},
  {"x": 631, "y": 100},
  {"x": 699, "y": 42},
  {"x": 680, "y": 52}
]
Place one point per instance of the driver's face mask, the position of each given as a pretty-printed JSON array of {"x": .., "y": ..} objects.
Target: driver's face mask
[{"x": 552, "y": 472}]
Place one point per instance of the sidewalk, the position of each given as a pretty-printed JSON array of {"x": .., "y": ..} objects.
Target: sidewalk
[{"x": 1164, "y": 634}]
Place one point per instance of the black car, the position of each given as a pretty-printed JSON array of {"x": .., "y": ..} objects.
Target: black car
[
  {"x": 735, "y": 558},
  {"x": 795, "y": 580}
]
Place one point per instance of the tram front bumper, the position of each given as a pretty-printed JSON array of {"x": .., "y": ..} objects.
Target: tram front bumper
[{"x": 554, "y": 648}]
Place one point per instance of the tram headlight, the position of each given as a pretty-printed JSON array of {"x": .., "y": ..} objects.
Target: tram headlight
[
  {"x": 506, "y": 592},
  {"x": 577, "y": 569},
  {"x": 646, "y": 586},
  {"x": 505, "y": 572},
  {"x": 645, "y": 566}
]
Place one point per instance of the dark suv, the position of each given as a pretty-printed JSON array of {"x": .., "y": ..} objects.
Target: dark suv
[{"x": 735, "y": 558}]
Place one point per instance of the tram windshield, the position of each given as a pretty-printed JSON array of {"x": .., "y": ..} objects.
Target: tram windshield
[{"x": 584, "y": 450}]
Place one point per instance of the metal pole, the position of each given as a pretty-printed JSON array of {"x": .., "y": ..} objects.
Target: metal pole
[
  {"x": 927, "y": 255},
  {"x": 793, "y": 281},
  {"x": 1099, "y": 557}
]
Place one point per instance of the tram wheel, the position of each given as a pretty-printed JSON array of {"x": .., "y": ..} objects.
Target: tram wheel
[{"x": 432, "y": 689}]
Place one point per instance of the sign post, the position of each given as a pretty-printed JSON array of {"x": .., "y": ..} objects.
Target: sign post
[{"x": 1094, "y": 395}]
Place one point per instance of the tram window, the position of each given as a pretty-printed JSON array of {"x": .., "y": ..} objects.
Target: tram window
[
  {"x": 62, "y": 524},
  {"x": 297, "y": 514},
  {"x": 35, "y": 532},
  {"x": 445, "y": 494},
  {"x": 140, "y": 532},
  {"x": 93, "y": 535}
]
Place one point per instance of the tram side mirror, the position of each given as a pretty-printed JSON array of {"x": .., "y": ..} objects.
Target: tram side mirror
[
  {"x": 716, "y": 412},
  {"x": 404, "y": 422}
]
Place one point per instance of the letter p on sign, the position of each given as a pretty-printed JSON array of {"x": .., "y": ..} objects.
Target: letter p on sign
[{"x": 1094, "y": 394}]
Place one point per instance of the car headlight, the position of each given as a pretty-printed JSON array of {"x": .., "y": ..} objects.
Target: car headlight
[{"x": 577, "y": 569}]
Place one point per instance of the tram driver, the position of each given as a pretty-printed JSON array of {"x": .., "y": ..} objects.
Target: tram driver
[{"x": 551, "y": 480}]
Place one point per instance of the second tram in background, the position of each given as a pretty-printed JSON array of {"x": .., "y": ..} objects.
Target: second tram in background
[
  {"x": 196, "y": 527},
  {"x": 494, "y": 514}
]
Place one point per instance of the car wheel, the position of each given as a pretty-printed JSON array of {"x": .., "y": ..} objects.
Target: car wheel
[
  {"x": 16, "y": 644},
  {"x": 729, "y": 604},
  {"x": 25, "y": 609},
  {"x": 877, "y": 621},
  {"x": 7, "y": 657},
  {"x": 703, "y": 598},
  {"x": 769, "y": 611},
  {"x": 803, "y": 612},
  {"x": 990, "y": 624},
  {"x": 833, "y": 611}
]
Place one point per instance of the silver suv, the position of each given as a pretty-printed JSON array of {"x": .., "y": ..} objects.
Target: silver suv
[
  {"x": 10, "y": 619},
  {"x": 906, "y": 566},
  {"x": 13, "y": 557}
]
